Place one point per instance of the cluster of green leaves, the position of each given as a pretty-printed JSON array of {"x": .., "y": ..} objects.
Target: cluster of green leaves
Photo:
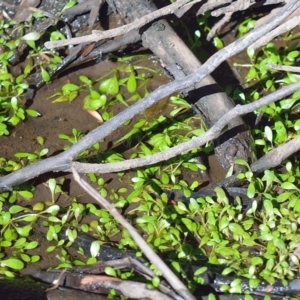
[
  {"x": 195, "y": 40},
  {"x": 271, "y": 232},
  {"x": 13, "y": 88},
  {"x": 260, "y": 243},
  {"x": 245, "y": 26},
  {"x": 260, "y": 72},
  {"x": 16, "y": 226},
  {"x": 23, "y": 158},
  {"x": 160, "y": 134},
  {"x": 71, "y": 220},
  {"x": 106, "y": 91},
  {"x": 62, "y": 226},
  {"x": 281, "y": 118}
]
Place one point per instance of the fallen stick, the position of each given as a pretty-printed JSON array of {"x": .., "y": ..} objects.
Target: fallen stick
[
  {"x": 177, "y": 285},
  {"x": 98, "y": 35},
  {"x": 62, "y": 161}
]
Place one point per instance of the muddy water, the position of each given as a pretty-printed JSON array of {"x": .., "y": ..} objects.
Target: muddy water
[{"x": 56, "y": 118}]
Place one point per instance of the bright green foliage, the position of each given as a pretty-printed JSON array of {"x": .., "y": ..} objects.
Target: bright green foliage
[
  {"x": 13, "y": 88},
  {"x": 123, "y": 82},
  {"x": 212, "y": 230},
  {"x": 246, "y": 26}
]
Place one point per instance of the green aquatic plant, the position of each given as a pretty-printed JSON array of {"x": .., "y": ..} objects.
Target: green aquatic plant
[
  {"x": 109, "y": 89},
  {"x": 13, "y": 87}
]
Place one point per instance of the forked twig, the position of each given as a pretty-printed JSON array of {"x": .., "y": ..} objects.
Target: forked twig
[
  {"x": 62, "y": 161},
  {"x": 208, "y": 136},
  {"x": 177, "y": 285},
  {"x": 98, "y": 35}
]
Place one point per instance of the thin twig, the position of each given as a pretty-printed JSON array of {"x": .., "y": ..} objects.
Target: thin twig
[
  {"x": 98, "y": 35},
  {"x": 285, "y": 27},
  {"x": 177, "y": 285},
  {"x": 61, "y": 162},
  {"x": 283, "y": 68},
  {"x": 210, "y": 135}
]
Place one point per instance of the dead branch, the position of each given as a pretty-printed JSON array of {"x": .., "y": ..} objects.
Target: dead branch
[
  {"x": 208, "y": 136},
  {"x": 227, "y": 11},
  {"x": 177, "y": 285},
  {"x": 218, "y": 8},
  {"x": 274, "y": 11},
  {"x": 287, "y": 26},
  {"x": 233, "y": 7},
  {"x": 98, "y": 35},
  {"x": 283, "y": 68},
  {"x": 276, "y": 156},
  {"x": 270, "y": 160},
  {"x": 61, "y": 162},
  {"x": 208, "y": 6},
  {"x": 127, "y": 288}
]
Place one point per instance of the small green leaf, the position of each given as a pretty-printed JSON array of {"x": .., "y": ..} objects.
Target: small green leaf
[
  {"x": 269, "y": 134},
  {"x": 33, "y": 113},
  {"x": 26, "y": 194},
  {"x": 35, "y": 258},
  {"x": 31, "y": 36},
  {"x": 19, "y": 243},
  {"x": 56, "y": 35},
  {"x": 70, "y": 4},
  {"x": 297, "y": 125},
  {"x": 51, "y": 249},
  {"x": 236, "y": 228},
  {"x": 69, "y": 87},
  {"x": 44, "y": 152},
  {"x": 268, "y": 206},
  {"x": 24, "y": 231},
  {"x": 211, "y": 296},
  {"x": 40, "y": 140},
  {"x": 25, "y": 257},
  {"x": 131, "y": 83},
  {"x": 110, "y": 86},
  {"x": 289, "y": 186},
  {"x": 95, "y": 248},
  {"x": 218, "y": 43},
  {"x": 16, "y": 209},
  {"x": 293, "y": 55},
  {"x": 200, "y": 271},
  {"x": 110, "y": 271},
  {"x": 242, "y": 162},
  {"x": 253, "y": 283},
  {"x": 250, "y": 52},
  {"x": 31, "y": 245},
  {"x": 12, "y": 263},
  {"x": 155, "y": 281},
  {"x": 251, "y": 190},
  {"x": 85, "y": 79},
  {"x": 45, "y": 75},
  {"x": 52, "y": 209},
  {"x": 30, "y": 218}
]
